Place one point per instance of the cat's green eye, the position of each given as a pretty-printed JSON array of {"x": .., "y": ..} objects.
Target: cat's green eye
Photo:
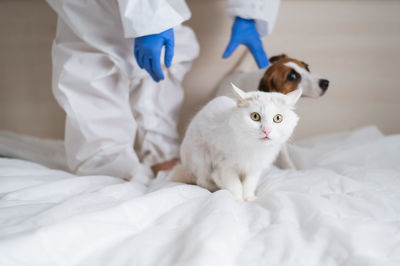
[
  {"x": 255, "y": 116},
  {"x": 278, "y": 118}
]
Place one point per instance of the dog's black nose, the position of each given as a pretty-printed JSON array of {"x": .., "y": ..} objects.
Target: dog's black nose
[{"x": 324, "y": 84}]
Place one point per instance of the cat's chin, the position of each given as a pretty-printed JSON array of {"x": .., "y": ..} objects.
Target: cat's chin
[{"x": 266, "y": 140}]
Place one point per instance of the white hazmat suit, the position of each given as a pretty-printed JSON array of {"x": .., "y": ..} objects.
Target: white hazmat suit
[{"x": 119, "y": 121}]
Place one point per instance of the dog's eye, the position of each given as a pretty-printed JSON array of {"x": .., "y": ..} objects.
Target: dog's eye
[
  {"x": 278, "y": 118},
  {"x": 255, "y": 116},
  {"x": 293, "y": 75}
]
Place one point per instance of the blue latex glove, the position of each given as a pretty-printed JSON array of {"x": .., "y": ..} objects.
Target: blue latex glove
[
  {"x": 244, "y": 32},
  {"x": 148, "y": 52}
]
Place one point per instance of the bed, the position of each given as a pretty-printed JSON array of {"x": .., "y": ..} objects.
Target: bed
[{"x": 341, "y": 207}]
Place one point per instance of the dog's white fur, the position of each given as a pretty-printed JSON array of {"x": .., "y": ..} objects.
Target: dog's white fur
[{"x": 309, "y": 81}]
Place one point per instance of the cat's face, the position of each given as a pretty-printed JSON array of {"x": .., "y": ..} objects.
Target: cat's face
[{"x": 263, "y": 117}]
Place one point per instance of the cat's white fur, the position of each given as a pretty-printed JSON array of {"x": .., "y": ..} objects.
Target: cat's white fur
[{"x": 224, "y": 148}]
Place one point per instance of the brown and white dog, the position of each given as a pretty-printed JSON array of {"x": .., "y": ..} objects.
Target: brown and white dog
[{"x": 284, "y": 75}]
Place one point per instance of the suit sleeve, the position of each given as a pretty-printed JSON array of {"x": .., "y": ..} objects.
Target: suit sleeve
[
  {"x": 144, "y": 17},
  {"x": 264, "y": 12}
]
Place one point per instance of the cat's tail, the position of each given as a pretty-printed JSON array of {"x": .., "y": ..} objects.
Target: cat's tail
[
  {"x": 50, "y": 153},
  {"x": 182, "y": 175}
]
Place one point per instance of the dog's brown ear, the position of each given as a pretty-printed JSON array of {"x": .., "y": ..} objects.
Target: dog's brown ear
[
  {"x": 276, "y": 58},
  {"x": 306, "y": 66},
  {"x": 266, "y": 85}
]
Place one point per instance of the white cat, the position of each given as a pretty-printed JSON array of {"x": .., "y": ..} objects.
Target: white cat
[{"x": 229, "y": 143}]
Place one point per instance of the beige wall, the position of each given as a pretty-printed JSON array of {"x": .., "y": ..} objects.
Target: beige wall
[
  {"x": 27, "y": 28},
  {"x": 353, "y": 43}
]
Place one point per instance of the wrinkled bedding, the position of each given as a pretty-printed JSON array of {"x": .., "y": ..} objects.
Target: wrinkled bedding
[{"x": 341, "y": 207}]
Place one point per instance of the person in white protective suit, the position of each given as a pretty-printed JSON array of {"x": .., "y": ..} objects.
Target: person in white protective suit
[{"x": 121, "y": 102}]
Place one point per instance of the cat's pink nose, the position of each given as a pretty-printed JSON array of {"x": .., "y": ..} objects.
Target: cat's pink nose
[{"x": 267, "y": 131}]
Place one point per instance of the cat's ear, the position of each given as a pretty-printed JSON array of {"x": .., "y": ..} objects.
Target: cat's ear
[
  {"x": 240, "y": 96},
  {"x": 293, "y": 97}
]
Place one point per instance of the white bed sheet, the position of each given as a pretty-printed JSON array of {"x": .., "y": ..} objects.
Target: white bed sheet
[{"x": 341, "y": 208}]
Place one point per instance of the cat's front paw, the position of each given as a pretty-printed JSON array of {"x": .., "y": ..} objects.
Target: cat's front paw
[{"x": 250, "y": 198}]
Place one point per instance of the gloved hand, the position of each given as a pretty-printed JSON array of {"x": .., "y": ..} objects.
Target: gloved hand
[
  {"x": 244, "y": 32},
  {"x": 148, "y": 52}
]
